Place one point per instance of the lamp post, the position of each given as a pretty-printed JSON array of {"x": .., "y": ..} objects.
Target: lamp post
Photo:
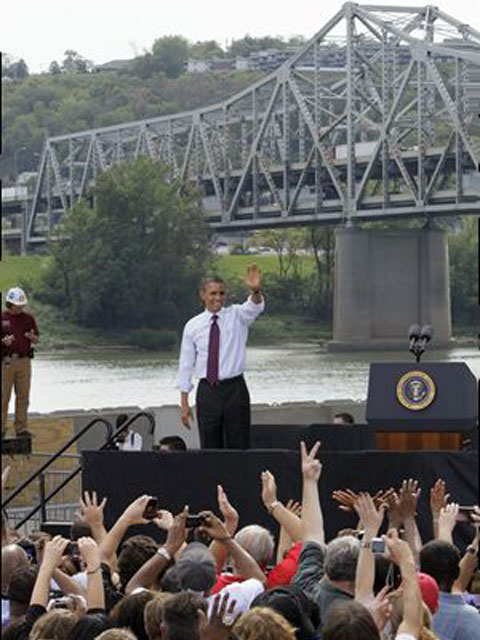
[{"x": 15, "y": 166}]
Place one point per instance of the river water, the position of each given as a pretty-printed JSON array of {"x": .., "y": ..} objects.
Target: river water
[{"x": 296, "y": 373}]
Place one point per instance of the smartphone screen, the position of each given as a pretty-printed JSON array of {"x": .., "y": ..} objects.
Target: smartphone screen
[{"x": 151, "y": 509}]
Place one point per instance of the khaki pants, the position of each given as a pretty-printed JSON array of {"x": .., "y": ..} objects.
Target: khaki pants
[{"x": 16, "y": 373}]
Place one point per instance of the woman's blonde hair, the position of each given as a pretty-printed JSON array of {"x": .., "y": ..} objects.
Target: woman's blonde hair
[
  {"x": 426, "y": 631},
  {"x": 116, "y": 634},
  {"x": 261, "y": 623},
  {"x": 53, "y": 625}
]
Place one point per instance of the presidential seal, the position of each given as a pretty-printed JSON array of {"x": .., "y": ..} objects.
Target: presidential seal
[{"x": 415, "y": 390}]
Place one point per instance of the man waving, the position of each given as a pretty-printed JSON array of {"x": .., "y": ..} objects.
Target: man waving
[{"x": 213, "y": 349}]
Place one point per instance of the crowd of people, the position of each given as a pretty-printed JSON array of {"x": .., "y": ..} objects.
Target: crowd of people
[{"x": 210, "y": 580}]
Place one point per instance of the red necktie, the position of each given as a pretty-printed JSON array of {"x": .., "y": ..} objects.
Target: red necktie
[{"x": 213, "y": 351}]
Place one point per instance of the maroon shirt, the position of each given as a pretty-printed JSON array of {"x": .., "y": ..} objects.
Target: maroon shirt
[{"x": 18, "y": 325}]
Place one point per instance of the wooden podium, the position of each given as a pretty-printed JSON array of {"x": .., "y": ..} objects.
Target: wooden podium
[{"x": 422, "y": 406}]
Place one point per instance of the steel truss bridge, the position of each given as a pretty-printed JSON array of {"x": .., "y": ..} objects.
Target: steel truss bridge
[{"x": 393, "y": 130}]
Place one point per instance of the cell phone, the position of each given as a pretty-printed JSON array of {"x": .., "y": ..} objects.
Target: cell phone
[
  {"x": 151, "y": 509},
  {"x": 72, "y": 549},
  {"x": 194, "y": 520},
  {"x": 465, "y": 514},
  {"x": 378, "y": 545}
]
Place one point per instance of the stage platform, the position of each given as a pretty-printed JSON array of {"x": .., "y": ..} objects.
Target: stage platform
[{"x": 191, "y": 478}]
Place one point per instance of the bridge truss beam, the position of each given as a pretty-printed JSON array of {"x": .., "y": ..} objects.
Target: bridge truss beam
[{"x": 393, "y": 128}]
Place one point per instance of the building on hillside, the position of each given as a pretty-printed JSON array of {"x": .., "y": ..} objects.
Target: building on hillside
[
  {"x": 114, "y": 65},
  {"x": 210, "y": 64}
]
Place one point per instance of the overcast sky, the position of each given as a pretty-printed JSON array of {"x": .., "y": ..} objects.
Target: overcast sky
[{"x": 101, "y": 30}]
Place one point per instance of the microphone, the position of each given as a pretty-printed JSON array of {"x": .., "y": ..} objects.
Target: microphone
[
  {"x": 426, "y": 334},
  {"x": 414, "y": 334}
]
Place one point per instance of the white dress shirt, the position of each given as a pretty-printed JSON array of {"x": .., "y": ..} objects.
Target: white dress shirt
[
  {"x": 243, "y": 593},
  {"x": 233, "y": 322},
  {"x": 133, "y": 442}
]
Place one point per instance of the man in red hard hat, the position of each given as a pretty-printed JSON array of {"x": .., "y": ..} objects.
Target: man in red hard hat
[{"x": 19, "y": 333}]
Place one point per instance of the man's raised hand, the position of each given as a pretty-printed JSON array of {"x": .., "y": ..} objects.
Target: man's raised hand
[
  {"x": 89, "y": 551},
  {"x": 399, "y": 550},
  {"x": 229, "y": 513},
  {"x": 164, "y": 519},
  {"x": 214, "y": 527},
  {"x": 253, "y": 277},
  {"x": 408, "y": 496},
  {"x": 370, "y": 517},
  {"x": 311, "y": 467},
  {"x": 438, "y": 498},
  {"x": 217, "y": 625},
  {"x": 90, "y": 511},
  {"x": 177, "y": 533},
  {"x": 269, "y": 489},
  {"x": 133, "y": 514},
  {"x": 53, "y": 552}
]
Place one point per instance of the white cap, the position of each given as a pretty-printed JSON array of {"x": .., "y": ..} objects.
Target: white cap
[{"x": 16, "y": 296}]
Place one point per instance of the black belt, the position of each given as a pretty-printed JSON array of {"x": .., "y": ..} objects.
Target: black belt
[{"x": 225, "y": 382}]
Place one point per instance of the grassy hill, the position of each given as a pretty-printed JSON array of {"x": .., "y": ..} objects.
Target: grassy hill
[{"x": 59, "y": 332}]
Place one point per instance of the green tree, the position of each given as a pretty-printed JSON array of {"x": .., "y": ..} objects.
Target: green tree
[
  {"x": 54, "y": 69},
  {"x": 247, "y": 45},
  {"x": 463, "y": 255},
  {"x": 206, "y": 49},
  {"x": 171, "y": 52},
  {"x": 286, "y": 243},
  {"x": 134, "y": 261},
  {"x": 14, "y": 69},
  {"x": 75, "y": 63}
]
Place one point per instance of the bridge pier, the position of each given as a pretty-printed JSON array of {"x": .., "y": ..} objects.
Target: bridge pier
[{"x": 384, "y": 282}]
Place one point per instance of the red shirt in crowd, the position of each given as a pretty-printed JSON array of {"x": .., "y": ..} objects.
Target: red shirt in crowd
[
  {"x": 281, "y": 574},
  {"x": 17, "y": 325}
]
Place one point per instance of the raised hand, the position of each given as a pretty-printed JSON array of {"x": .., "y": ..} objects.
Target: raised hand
[
  {"x": 346, "y": 499},
  {"x": 294, "y": 507},
  {"x": 90, "y": 511},
  {"x": 177, "y": 534},
  {"x": 214, "y": 527},
  {"x": 269, "y": 489},
  {"x": 392, "y": 502},
  {"x": 381, "y": 608},
  {"x": 217, "y": 625},
  {"x": 311, "y": 467},
  {"x": 253, "y": 277},
  {"x": 383, "y": 496},
  {"x": 400, "y": 551},
  {"x": 370, "y": 517},
  {"x": 133, "y": 514},
  {"x": 164, "y": 519},
  {"x": 53, "y": 552},
  {"x": 447, "y": 521},
  {"x": 407, "y": 499},
  {"x": 229, "y": 513},
  {"x": 89, "y": 551},
  {"x": 438, "y": 498}
]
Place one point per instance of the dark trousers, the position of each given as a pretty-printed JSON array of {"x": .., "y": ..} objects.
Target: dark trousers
[{"x": 223, "y": 414}]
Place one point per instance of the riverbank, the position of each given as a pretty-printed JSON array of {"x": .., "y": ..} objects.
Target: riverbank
[{"x": 57, "y": 333}]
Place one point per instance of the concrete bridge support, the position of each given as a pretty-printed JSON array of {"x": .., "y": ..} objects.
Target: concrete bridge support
[{"x": 384, "y": 282}]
